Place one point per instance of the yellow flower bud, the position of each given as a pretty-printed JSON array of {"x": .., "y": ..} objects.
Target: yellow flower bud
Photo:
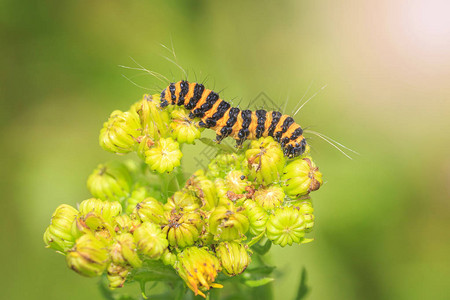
[
  {"x": 164, "y": 156},
  {"x": 228, "y": 223},
  {"x": 236, "y": 182},
  {"x": 117, "y": 274},
  {"x": 257, "y": 217},
  {"x": 270, "y": 197},
  {"x": 264, "y": 161},
  {"x": 184, "y": 130},
  {"x": 59, "y": 235},
  {"x": 234, "y": 257},
  {"x": 183, "y": 200},
  {"x": 150, "y": 210},
  {"x": 154, "y": 120},
  {"x": 183, "y": 229},
  {"x": 110, "y": 181},
  {"x": 150, "y": 240},
  {"x": 198, "y": 268},
  {"x": 286, "y": 226},
  {"x": 301, "y": 177},
  {"x": 204, "y": 189},
  {"x": 123, "y": 251},
  {"x": 89, "y": 257},
  {"x": 106, "y": 209},
  {"x": 120, "y": 132}
]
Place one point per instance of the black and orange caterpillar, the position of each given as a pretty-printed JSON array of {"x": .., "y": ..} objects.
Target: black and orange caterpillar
[{"x": 218, "y": 115}]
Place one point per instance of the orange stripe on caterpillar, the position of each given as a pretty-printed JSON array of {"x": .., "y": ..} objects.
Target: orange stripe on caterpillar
[{"x": 226, "y": 120}]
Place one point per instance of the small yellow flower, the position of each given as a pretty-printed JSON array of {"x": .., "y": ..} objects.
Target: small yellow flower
[
  {"x": 228, "y": 223},
  {"x": 198, "y": 268},
  {"x": 120, "y": 132},
  {"x": 184, "y": 130},
  {"x": 150, "y": 240},
  {"x": 164, "y": 156},
  {"x": 270, "y": 197},
  {"x": 286, "y": 226}
]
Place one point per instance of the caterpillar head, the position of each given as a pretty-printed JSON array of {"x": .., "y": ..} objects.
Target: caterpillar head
[{"x": 295, "y": 147}]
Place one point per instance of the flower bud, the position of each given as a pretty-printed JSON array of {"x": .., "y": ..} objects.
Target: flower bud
[
  {"x": 89, "y": 257},
  {"x": 257, "y": 217},
  {"x": 233, "y": 257},
  {"x": 117, "y": 274},
  {"x": 119, "y": 133},
  {"x": 92, "y": 223},
  {"x": 223, "y": 163},
  {"x": 151, "y": 241},
  {"x": 154, "y": 120},
  {"x": 236, "y": 182},
  {"x": 138, "y": 195},
  {"x": 107, "y": 210},
  {"x": 123, "y": 251},
  {"x": 184, "y": 130},
  {"x": 125, "y": 224},
  {"x": 205, "y": 190},
  {"x": 264, "y": 160},
  {"x": 58, "y": 235},
  {"x": 150, "y": 210},
  {"x": 286, "y": 226},
  {"x": 164, "y": 156},
  {"x": 183, "y": 200},
  {"x": 198, "y": 268},
  {"x": 110, "y": 181},
  {"x": 269, "y": 197},
  {"x": 183, "y": 229},
  {"x": 228, "y": 223},
  {"x": 301, "y": 177},
  {"x": 168, "y": 258}
]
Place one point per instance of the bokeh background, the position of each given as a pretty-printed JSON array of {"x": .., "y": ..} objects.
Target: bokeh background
[{"x": 383, "y": 218}]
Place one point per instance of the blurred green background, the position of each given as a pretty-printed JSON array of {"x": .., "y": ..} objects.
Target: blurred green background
[{"x": 382, "y": 218}]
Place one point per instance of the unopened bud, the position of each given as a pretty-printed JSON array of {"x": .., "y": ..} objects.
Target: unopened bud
[
  {"x": 183, "y": 229},
  {"x": 257, "y": 217},
  {"x": 233, "y": 257},
  {"x": 184, "y": 130},
  {"x": 150, "y": 240},
  {"x": 106, "y": 209},
  {"x": 301, "y": 177},
  {"x": 110, "y": 181},
  {"x": 123, "y": 251},
  {"x": 205, "y": 190},
  {"x": 58, "y": 235},
  {"x": 183, "y": 200},
  {"x": 264, "y": 160},
  {"x": 150, "y": 210},
  {"x": 198, "y": 268},
  {"x": 228, "y": 223},
  {"x": 286, "y": 226},
  {"x": 119, "y": 133},
  {"x": 155, "y": 121},
  {"x": 89, "y": 257},
  {"x": 117, "y": 274}
]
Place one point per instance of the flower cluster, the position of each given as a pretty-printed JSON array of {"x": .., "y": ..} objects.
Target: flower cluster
[{"x": 206, "y": 227}]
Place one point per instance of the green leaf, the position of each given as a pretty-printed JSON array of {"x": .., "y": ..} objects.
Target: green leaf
[
  {"x": 303, "y": 289},
  {"x": 261, "y": 271},
  {"x": 259, "y": 282}
]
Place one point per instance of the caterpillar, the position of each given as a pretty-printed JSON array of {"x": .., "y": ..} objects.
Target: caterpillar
[{"x": 226, "y": 120}]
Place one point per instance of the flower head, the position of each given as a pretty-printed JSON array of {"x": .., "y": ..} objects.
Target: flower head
[
  {"x": 301, "y": 177},
  {"x": 198, "y": 268},
  {"x": 286, "y": 226},
  {"x": 120, "y": 132},
  {"x": 164, "y": 156},
  {"x": 59, "y": 235},
  {"x": 89, "y": 257},
  {"x": 234, "y": 257}
]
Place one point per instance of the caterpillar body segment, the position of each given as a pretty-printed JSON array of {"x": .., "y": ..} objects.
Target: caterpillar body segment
[{"x": 226, "y": 120}]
